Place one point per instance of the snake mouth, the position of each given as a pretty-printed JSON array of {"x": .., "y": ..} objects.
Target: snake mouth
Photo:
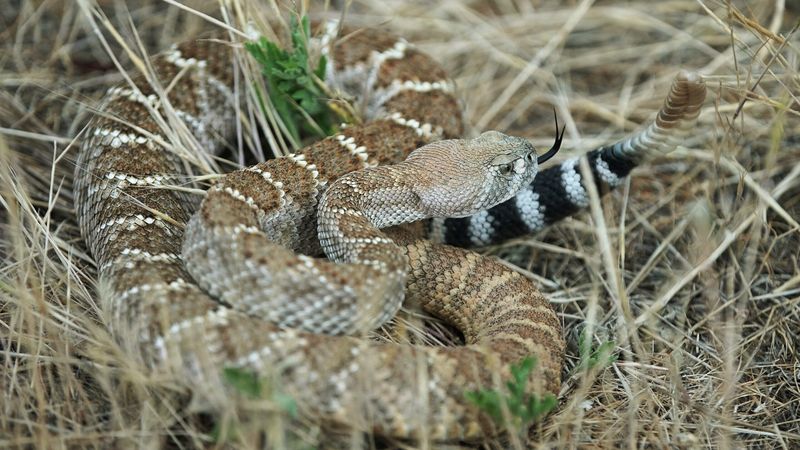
[{"x": 556, "y": 145}]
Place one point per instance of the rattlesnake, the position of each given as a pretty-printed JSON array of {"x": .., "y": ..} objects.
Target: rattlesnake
[{"x": 255, "y": 227}]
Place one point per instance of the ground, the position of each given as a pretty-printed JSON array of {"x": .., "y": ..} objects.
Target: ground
[{"x": 690, "y": 268}]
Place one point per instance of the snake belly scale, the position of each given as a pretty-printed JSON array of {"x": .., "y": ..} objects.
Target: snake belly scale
[{"x": 203, "y": 311}]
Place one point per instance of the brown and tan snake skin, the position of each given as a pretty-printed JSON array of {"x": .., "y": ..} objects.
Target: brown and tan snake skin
[{"x": 249, "y": 292}]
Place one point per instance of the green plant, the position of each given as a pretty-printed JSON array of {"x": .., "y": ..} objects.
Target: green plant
[
  {"x": 523, "y": 407},
  {"x": 602, "y": 356},
  {"x": 294, "y": 88},
  {"x": 250, "y": 386}
]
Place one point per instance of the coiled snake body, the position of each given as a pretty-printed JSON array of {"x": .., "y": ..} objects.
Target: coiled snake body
[{"x": 247, "y": 291}]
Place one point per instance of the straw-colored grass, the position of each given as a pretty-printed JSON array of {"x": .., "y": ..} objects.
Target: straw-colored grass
[{"x": 691, "y": 267}]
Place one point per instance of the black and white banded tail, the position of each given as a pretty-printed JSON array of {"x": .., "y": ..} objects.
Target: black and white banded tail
[{"x": 558, "y": 192}]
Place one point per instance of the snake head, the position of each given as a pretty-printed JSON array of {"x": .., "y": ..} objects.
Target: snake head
[
  {"x": 509, "y": 163},
  {"x": 513, "y": 164},
  {"x": 462, "y": 177}
]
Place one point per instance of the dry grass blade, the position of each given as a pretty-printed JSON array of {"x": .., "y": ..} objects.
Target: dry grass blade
[{"x": 692, "y": 269}]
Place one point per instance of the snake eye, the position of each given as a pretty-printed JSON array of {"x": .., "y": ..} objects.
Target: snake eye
[
  {"x": 530, "y": 156},
  {"x": 515, "y": 167}
]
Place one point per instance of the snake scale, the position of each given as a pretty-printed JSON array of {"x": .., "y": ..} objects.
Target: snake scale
[{"x": 235, "y": 281}]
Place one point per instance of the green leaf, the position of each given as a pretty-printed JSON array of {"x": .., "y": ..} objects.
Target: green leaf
[
  {"x": 538, "y": 407},
  {"x": 488, "y": 401},
  {"x": 248, "y": 384},
  {"x": 321, "y": 66},
  {"x": 224, "y": 432},
  {"x": 286, "y": 403},
  {"x": 522, "y": 406},
  {"x": 293, "y": 91},
  {"x": 602, "y": 357},
  {"x": 243, "y": 381}
]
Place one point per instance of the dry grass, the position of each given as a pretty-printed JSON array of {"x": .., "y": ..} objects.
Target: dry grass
[{"x": 691, "y": 268}]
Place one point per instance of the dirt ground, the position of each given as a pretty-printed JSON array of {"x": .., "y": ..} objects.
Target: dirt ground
[{"x": 690, "y": 268}]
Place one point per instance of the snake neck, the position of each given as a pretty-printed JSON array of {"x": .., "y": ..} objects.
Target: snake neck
[{"x": 356, "y": 207}]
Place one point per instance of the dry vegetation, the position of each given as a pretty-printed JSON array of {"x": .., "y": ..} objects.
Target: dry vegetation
[{"x": 691, "y": 268}]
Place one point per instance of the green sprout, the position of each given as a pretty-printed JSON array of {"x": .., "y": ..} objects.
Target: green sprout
[
  {"x": 250, "y": 386},
  {"x": 293, "y": 85},
  {"x": 523, "y": 407},
  {"x": 603, "y": 356}
]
